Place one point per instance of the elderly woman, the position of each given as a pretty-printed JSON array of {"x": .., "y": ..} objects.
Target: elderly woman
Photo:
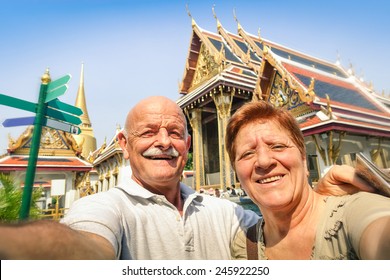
[{"x": 267, "y": 151}]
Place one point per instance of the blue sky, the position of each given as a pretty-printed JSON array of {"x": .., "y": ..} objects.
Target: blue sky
[{"x": 134, "y": 49}]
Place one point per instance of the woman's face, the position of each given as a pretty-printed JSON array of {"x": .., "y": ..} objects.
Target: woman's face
[{"x": 269, "y": 165}]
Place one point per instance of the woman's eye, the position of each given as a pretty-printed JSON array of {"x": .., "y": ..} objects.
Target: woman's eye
[
  {"x": 247, "y": 154},
  {"x": 278, "y": 147}
]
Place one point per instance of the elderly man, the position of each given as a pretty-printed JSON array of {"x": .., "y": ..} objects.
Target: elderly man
[{"x": 151, "y": 215}]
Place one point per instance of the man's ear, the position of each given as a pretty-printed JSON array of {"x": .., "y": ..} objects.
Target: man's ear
[
  {"x": 122, "y": 140},
  {"x": 188, "y": 142}
]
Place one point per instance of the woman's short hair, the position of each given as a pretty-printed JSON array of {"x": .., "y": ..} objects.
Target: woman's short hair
[{"x": 261, "y": 111}]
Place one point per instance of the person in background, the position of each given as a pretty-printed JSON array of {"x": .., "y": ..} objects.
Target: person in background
[
  {"x": 151, "y": 215},
  {"x": 217, "y": 192},
  {"x": 267, "y": 150}
]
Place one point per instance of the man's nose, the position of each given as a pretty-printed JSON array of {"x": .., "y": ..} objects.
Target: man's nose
[{"x": 162, "y": 139}]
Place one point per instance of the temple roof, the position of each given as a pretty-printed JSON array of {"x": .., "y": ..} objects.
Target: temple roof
[
  {"x": 241, "y": 61},
  {"x": 53, "y": 142},
  {"x": 106, "y": 150},
  {"x": 44, "y": 163}
]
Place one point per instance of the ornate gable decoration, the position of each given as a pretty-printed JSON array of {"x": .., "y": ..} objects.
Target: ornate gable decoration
[
  {"x": 206, "y": 67},
  {"x": 53, "y": 143},
  {"x": 285, "y": 85},
  {"x": 282, "y": 95}
]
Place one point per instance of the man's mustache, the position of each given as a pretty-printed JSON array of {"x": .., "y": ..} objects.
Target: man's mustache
[{"x": 153, "y": 151}]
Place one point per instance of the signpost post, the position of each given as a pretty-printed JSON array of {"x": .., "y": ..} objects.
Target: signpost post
[
  {"x": 49, "y": 112},
  {"x": 36, "y": 139}
]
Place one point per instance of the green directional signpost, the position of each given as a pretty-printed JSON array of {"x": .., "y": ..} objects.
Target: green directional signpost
[{"x": 50, "y": 112}]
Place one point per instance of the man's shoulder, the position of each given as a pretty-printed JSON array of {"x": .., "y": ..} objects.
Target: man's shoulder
[{"x": 101, "y": 197}]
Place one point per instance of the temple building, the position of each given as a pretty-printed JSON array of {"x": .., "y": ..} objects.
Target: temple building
[
  {"x": 339, "y": 114},
  {"x": 110, "y": 165},
  {"x": 62, "y": 157}
]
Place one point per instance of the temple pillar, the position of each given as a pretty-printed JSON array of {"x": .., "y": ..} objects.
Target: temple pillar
[
  {"x": 195, "y": 118},
  {"x": 223, "y": 102}
]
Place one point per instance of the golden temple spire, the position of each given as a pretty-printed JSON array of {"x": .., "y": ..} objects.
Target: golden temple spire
[
  {"x": 86, "y": 139},
  {"x": 80, "y": 100}
]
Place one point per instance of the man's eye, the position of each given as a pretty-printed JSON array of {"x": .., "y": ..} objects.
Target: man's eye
[
  {"x": 148, "y": 134},
  {"x": 176, "y": 134}
]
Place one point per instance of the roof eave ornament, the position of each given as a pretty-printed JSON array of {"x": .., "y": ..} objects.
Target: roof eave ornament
[
  {"x": 220, "y": 59},
  {"x": 239, "y": 27},
  {"x": 351, "y": 71},
  {"x": 259, "y": 34},
  {"x": 338, "y": 61},
  {"x": 193, "y": 23},
  {"x": 215, "y": 16},
  {"x": 310, "y": 91},
  {"x": 329, "y": 107}
]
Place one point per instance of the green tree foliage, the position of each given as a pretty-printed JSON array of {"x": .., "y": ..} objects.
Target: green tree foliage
[
  {"x": 11, "y": 200},
  {"x": 189, "y": 164}
]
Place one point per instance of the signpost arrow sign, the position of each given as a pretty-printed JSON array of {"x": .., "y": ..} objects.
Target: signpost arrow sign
[
  {"x": 53, "y": 113},
  {"x": 63, "y": 116},
  {"x": 61, "y": 126},
  {"x": 19, "y": 121},
  {"x": 57, "y": 104},
  {"x": 57, "y": 88},
  {"x": 56, "y": 93},
  {"x": 46, "y": 122},
  {"x": 17, "y": 103},
  {"x": 57, "y": 83}
]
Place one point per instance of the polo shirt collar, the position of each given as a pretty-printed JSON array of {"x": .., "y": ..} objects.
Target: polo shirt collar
[{"x": 133, "y": 188}]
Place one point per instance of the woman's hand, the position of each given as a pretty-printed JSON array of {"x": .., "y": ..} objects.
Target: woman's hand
[{"x": 342, "y": 180}]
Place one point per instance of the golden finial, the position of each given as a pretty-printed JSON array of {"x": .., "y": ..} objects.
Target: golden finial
[
  {"x": 234, "y": 15},
  {"x": 188, "y": 11},
  {"x": 236, "y": 19},
  {"x": 189, "y": 14},
  {"x": 214, "y": 14},
  {"x": 338, "y": 60},
  {"x": 371, "y": 85},
  {"x": 351, "y": 71},
  {"x": 46, "y": 77},
  {"x": 258, "y": 33}
]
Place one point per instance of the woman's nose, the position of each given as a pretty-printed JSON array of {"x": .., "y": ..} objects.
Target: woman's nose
[{"x": 264, "y": 158}]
